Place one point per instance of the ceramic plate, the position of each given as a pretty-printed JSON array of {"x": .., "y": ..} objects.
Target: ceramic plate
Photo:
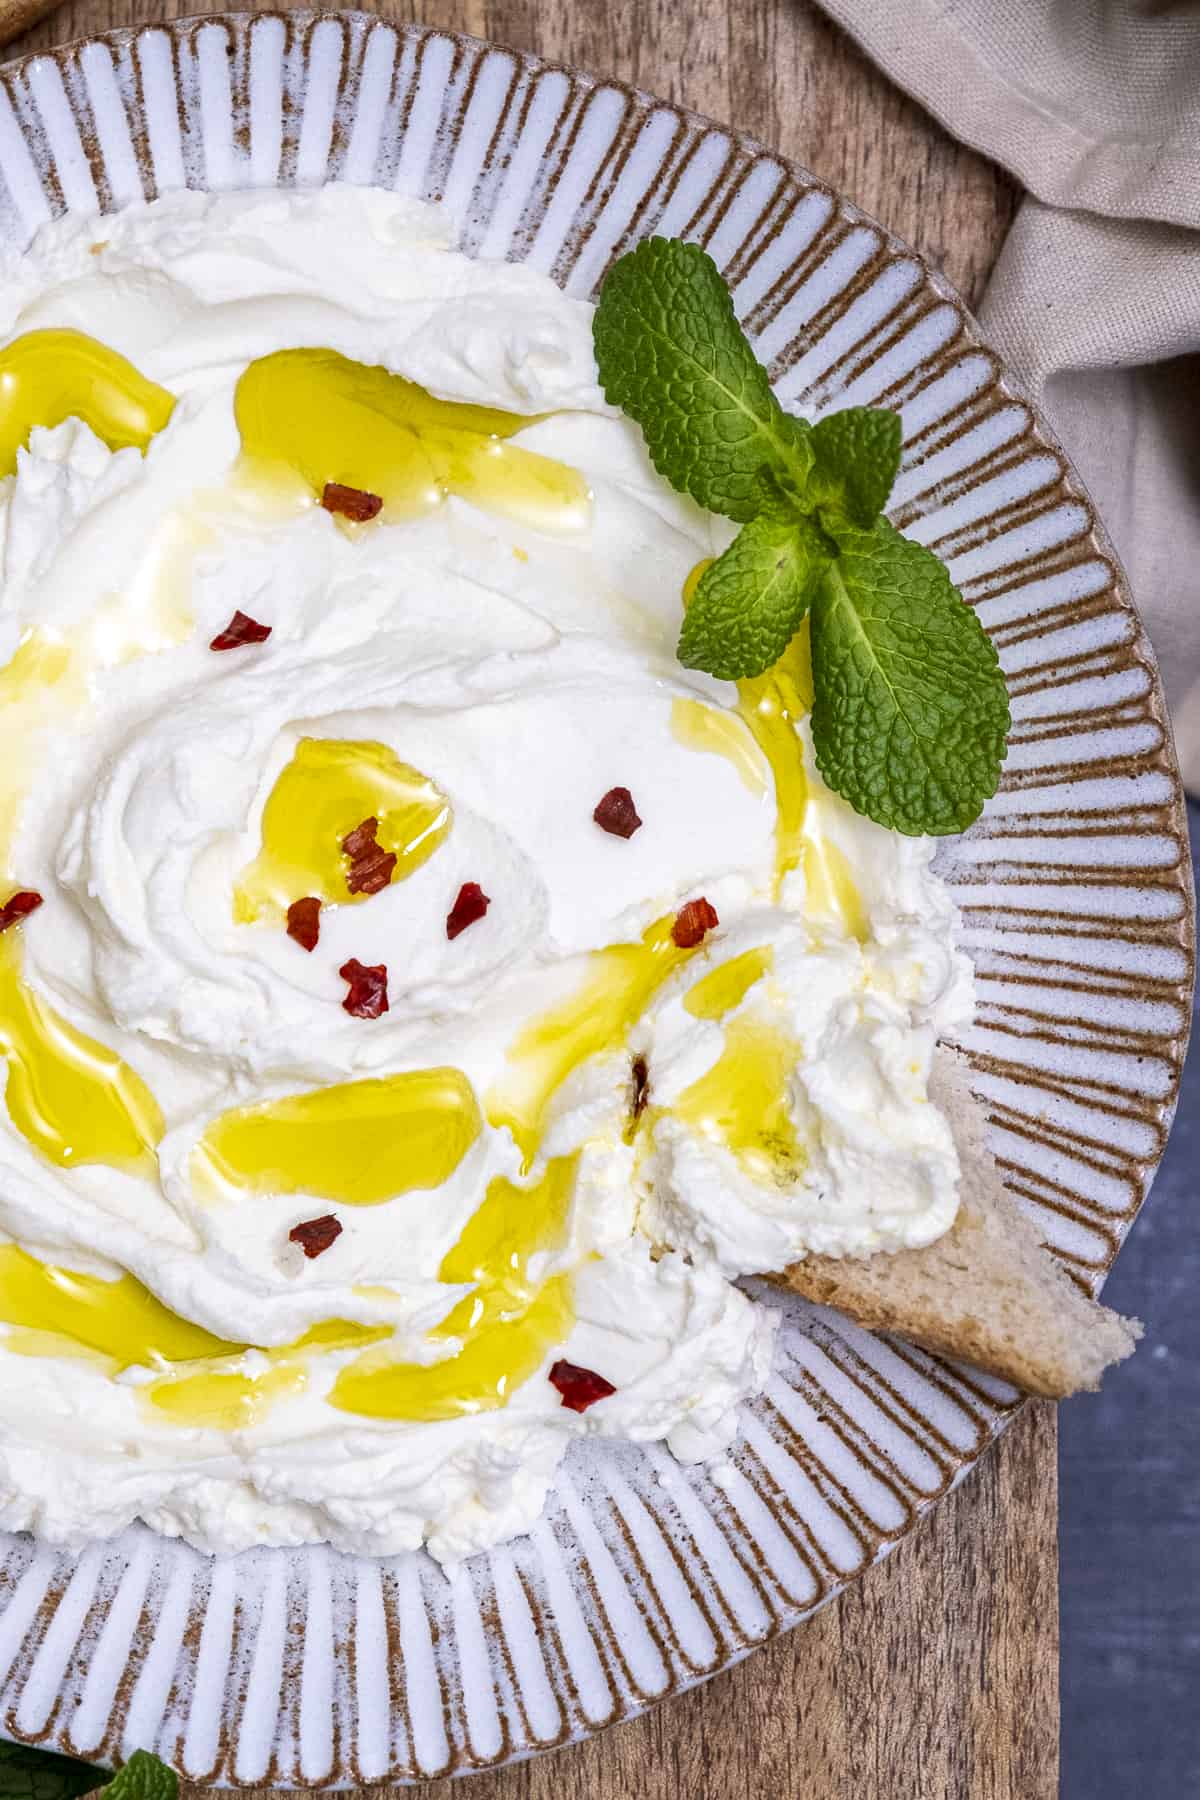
[{"x": 305, "y": 1667}]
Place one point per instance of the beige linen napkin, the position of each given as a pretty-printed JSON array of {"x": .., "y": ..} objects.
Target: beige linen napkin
[{"x": 1095, "y": 106}]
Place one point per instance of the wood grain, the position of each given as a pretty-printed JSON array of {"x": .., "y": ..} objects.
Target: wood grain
[
  {"x": 935, "y": 1678},
  {"x": 17, "y": 16}
]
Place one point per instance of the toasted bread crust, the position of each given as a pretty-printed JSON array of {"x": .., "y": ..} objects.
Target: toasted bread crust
[{"x": 987, "y": 1293}]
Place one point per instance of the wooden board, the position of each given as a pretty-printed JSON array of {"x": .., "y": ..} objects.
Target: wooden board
[{"x": 936, "y": 1677}]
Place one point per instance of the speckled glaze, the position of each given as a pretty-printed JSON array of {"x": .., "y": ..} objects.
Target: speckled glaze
[{"x": 310, "y": 1668}]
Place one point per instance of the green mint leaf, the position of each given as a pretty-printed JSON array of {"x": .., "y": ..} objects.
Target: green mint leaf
[
  {"x": 27, "y": 1773},
  {"x": 672, "y": 355},
  {"x": 143, "y": 1777},
  {"x": 856, "y": 454},
  {"x": 749, "y": 602},
  {"x": 910, "y": 711}
]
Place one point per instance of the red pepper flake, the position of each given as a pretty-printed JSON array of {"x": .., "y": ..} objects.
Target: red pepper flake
[
  {"x": 19, "y": 907},
  {"x": 617, "y": 814},
  {"x": 638, "y": 1097},
  {"x": 692, "y": 922},
  {"x": 370, "y": 864},
  {"x": 358, "y": 842},
  {"x": 351, "y": 502},
  {"x": 371, "y": 874},
  {"x": 641, "y": 1087},
  {"x": 316, "y": 1235},
  {"x": 580, "y": 1388},
  {"x": 470, "y": 905},
  {"x": 304, "y": 921},
  {"x": 241, "y": 629},
  {"x": 368, "y": 997}
]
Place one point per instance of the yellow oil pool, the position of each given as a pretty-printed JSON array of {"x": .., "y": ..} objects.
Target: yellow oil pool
[
  {"x": 726, "y": 986},
  {"x": 741, "y": 1102},
  {"x": 231, "y": 1398},
  {"x": 49, "y": 376},
  {"x": 56, "y": 1311},
  {"x": 619, "y": 984},
  {"x": 698, "y": 726},
  {"x": 358, "y": 1143},
  {"x": 308, "y": 417},
  {"x": 326, "y": 791},
  {"x": 52, "y": 1311},
  {"x": 70, "y": 1097},
  {"x": 41, "y": 686},
  {"x": 509, "y": 1324},
  {"x": 769, "y": 707}
]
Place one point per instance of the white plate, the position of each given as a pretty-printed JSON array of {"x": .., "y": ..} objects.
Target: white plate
[{"x": 307, "y": 1667}]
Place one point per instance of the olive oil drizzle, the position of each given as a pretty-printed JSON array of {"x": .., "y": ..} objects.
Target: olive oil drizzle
[
  {"x": 227, "y": 1395},
  {"x": 741, "y": 1101},
  {"x": 72, "y": 1098},
  {"x": 328, "y": 788},
  {"x": 47, "y": 377},
  {"x": 698, "y": 726},
  {"x": 119, "y": 1322},
  {"x": 508, "y": 1323},
  {"x": 357, "y": 1143},
  {"x": 726, "y": 986},
  {"x": 308, "y": 417},
  {"x": 620, "y": 982},
  {"x": 770, "y": 706}
]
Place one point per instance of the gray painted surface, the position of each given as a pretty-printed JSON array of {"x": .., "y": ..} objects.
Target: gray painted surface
[{"x": 1129, "y": 1468}]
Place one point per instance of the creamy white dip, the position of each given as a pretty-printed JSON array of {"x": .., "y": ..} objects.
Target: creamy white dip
[{"x": 525, "y": 673}]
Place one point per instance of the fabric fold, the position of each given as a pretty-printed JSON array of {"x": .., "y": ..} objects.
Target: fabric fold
[{"x": 1094, "y": 105}]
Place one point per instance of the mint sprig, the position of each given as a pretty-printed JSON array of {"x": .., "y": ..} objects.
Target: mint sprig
[
  {"x": 672, "y": 355},
  {"x": 143, "y": 1777},
  {"x": 910, "y": 710},
  {"x": 29, "y": 1773},
  {"x": 856, "y": 457},
  {"x": 749, "y": 602}
]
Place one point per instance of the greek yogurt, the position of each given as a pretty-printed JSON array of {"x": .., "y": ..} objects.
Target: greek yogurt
[{"x": 568, "y": 1134}]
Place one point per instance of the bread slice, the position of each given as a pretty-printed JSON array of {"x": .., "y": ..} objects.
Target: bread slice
[{"x": 986, "y": 1293}]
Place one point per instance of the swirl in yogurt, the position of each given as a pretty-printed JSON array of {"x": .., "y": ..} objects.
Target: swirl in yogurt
[{"x": 473, "y": 669}]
